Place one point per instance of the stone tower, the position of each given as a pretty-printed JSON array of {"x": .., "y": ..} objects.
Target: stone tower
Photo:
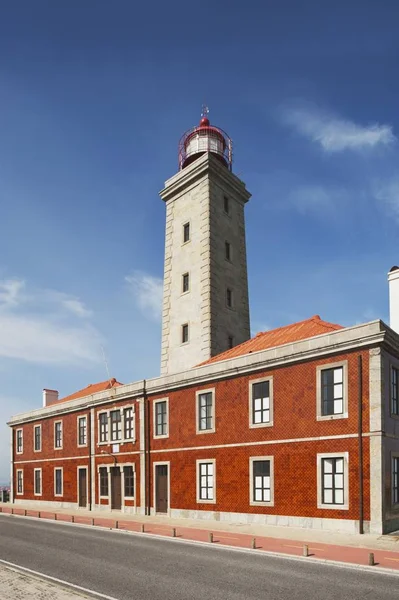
[{"x": 205, "y": 298}]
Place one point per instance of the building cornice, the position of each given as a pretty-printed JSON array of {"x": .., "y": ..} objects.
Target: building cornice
[
  {"x": 335, "y": 342},
  {"x": 191, "y": 174}
]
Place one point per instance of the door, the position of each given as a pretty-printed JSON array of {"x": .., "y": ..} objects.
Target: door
[
  {"x": 116, "y": 491},
  {"x": 161, "y": 488},
  {"x": 82, "y": 477}
]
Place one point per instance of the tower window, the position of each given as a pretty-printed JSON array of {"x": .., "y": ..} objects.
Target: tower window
[
  {"x": 230, "y": 342},
  {"x": 229, "y": 297},
  {"x": 226, "y": 205},
  {"x": 184, "y": 333},
  {"x": 227, "y": 250},
  {"x": 186, "y": 282},
  {"x": 186, "y": 232}
]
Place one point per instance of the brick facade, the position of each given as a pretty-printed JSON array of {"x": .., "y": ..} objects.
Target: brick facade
[{"x": 294, "y": 440}]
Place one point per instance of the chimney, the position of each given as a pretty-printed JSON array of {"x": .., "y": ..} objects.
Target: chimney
[
  {"x": 393, "y": 279},
  {"x": 49, "y": 397}
]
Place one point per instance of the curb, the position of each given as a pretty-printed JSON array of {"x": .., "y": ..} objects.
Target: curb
[{"x": 258, "y": 552}]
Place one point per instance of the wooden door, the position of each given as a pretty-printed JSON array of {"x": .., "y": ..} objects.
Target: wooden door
[
  {"x": 116, "y": 490},
  {"x": 82, "y": 492},
  {"x": 161, "y": 488}
]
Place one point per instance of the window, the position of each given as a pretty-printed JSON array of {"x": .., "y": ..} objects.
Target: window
[
  {"x": 58, "y": 434},
  {"x": 37, "y": 437},
  {"x": 332, "y": 391},
  {"x": 20, "y": 441},
  {"x": 116, "y": 425},
  {"x": 226, "y": 205},
  {"x": 186, "y": 282},
  {"x": 129, "y": 481},
  {"x": 103, "y": 427},
  {"x": 20, "y": 481},
  {"x": 333, "y": 481},
  {"x": 261, "y": 402},
  {"x": 227, "y": 250},
  {"x": 186, "y": 232},
  {"x": 103, "y": 481},
  {"x": 395, "y": 480},
  {"x": 205, "y": 411},
  {"x": 128, "y": 429},
  {"x": 58, "y": 482},
  {"x": 37, "y": 482},
  {"x": 229, "y": 298},
  {"x": 161, "y": 418},
  {"x": 206, "y": 484},
  {"x": 394, "y": 391},
  {"x": 230, "y": 342},
  {"x": 82, "y": 431},
  {"x": 261, "y": 480},
  {"x": 184, "y": 333}
]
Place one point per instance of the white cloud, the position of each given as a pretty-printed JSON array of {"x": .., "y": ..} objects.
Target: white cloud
[
  {"x": 315, "y": 198},
  {"x": 10, "y": 292},
  {"x": 147, "y": 291},
  {"x": 387, "y": 192},
  {"x": 333, "y": 133},
  {"x": 35, "y": 327}
]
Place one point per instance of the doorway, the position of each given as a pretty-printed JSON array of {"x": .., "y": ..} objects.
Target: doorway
[
  {"x": 161, "y": 489},
  {"x": 82, "y": 487},
  {"x": 116, "y": 489}
]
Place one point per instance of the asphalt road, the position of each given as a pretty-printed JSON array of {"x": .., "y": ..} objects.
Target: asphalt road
[{"x": 129, "y": 567}]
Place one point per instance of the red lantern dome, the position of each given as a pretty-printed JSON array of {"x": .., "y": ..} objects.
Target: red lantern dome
[{"x": 205, "y": 138}]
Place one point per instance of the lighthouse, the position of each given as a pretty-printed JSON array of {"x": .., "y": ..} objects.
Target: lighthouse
[{"x": 205, "y": 296}]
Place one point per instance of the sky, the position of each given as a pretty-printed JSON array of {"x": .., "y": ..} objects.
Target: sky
[{"x": 94, "y": 96}]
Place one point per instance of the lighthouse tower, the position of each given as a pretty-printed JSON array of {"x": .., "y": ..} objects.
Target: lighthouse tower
[{"x": 205, "y": 298}]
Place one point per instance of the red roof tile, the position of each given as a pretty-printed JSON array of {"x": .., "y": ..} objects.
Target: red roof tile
[
  {"x": 277, "y": 337},
  {"x": 92, "y": 388}
]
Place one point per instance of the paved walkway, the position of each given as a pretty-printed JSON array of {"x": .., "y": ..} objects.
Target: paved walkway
[
  {"x": 323, "y": 545},
  {"x": 15, "y": 585}
]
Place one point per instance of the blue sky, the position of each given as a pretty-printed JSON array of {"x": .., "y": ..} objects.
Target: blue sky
[{"x": 94, "y": 96}]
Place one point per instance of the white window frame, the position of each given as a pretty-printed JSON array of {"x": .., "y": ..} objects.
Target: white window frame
[
  {"x": 123, "y": 465},
  {"x": 251, "y": 382},
  {"x": 158, "y": 401},
  {"x": 395, "y": 505},
  {"x": 108, "y": 469},
  {"x": 22, "y": 482},
  {"x": 22, "y": 441},
  {"x": 34, "y": 437},
  {"x": 197, "y": 419},
  {"x": 106, "y": 441},
  {"x": 253, "y": 459},
  {"x": 320, "y": 457},
  {"x": 34, "y": 482},
  {"x": 199, "y": 462},
  {"x": 123, "y": 440},
  {"x": 78, "y": 419},
  {"x": 62, "y": 482},
  {"x": 324, "y": 367},
  {"x": 62, "y": 435}
]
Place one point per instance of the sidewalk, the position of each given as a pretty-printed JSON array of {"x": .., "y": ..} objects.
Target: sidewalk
[
  {"x": 348, "y": 548},
  {"x": 15, "y": 585}
]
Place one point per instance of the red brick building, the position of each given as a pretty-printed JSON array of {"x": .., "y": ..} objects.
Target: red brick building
[{"x": 298, "y": 426}]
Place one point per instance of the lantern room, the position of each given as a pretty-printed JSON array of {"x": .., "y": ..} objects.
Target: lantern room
[{"x": 205, "y": 138}]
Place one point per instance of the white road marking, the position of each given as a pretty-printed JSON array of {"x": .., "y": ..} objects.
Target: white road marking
[{"x": 73, "y": 586}]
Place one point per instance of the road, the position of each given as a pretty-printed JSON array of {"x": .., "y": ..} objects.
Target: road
[{"x": 131, "y": 567}]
